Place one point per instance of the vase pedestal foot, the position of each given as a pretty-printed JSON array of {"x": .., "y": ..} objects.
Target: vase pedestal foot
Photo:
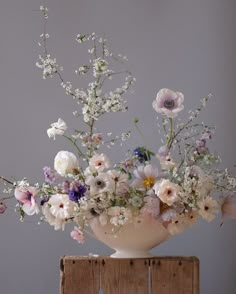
[{"x": 131, "y": 254}]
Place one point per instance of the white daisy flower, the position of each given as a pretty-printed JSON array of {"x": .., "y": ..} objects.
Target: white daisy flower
[{"x": 146, "y": 177}]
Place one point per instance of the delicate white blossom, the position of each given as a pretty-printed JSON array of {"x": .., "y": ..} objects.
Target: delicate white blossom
[{"x": 57, "y": 128}]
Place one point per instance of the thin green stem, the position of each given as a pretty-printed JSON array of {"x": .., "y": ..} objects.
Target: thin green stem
[
  {"x": 171, "y": 134},
  {"x": 140, "y": 132},
  {"x": 76, "y": 146}
]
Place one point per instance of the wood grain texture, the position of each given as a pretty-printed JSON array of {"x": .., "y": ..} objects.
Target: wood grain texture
[
  {"x": 158, "y": 275},
  {"x": 81, "y": 276},
  {"x": 173, "y": 275},
  {"x": 124, "y": 276}
]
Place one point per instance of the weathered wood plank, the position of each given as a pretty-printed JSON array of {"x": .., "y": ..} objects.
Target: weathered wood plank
[
  {"x": 81, "y": 276},
  {"x": 196, "y": 276},
  {"x": 173, "y": 276},
  {"x": 124, "y": 276}
]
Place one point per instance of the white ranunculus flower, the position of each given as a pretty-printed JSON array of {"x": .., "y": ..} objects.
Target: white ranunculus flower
[
  {"x": 57, "y": 128},
  {"x": 65, "y": 162}
]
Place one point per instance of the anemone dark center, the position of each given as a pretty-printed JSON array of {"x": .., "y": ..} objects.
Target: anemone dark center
[
  {"x": 169, "y": 103},
  {"x": 29, "y": 195},
  {"x": 100, "y": 184}
]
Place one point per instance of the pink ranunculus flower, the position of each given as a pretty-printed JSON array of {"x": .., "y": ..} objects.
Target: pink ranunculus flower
[
  {"x": 167, "y": 191},
  {"x": 77, "y": 235},
  {"x": 99, "y": 162},
  {"x": 26, "y": 195},
  {"x": 168, "y": 102}
]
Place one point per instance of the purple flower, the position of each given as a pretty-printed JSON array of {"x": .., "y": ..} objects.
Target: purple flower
[
  {"x": 3, "y": 207},
  {"x": 168, "y": 102},
  {"x": 50, "y": 175},
  {"x": 76, "y": 192}
]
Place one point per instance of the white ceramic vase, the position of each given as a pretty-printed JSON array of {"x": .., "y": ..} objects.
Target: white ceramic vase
[{"x": 130, "y": 240}]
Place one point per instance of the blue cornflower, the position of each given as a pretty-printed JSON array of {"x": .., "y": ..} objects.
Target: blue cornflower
[
  {"x": 77, "y": 192},
  {"x": 142, "y": 154}
]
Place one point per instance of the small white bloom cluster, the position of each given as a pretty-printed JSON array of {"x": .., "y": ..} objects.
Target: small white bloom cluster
[{"x": 48, "y": 65}]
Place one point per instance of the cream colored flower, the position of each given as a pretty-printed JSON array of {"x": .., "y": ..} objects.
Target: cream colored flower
[
  {"x": 208, "y": 207},
  {"x": 167, "y": 191},
  {"x": 65, "y": 163}
]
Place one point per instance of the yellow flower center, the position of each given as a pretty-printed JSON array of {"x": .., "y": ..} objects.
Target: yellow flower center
[{"x": 148, "y": 182}]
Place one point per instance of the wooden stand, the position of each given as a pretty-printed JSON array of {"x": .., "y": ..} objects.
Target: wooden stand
[{"x": 158, "y": 275}]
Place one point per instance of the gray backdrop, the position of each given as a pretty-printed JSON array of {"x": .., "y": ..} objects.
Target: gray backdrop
[{"x": 185, "y": 45}]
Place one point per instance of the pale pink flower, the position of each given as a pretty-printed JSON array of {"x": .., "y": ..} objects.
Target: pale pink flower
[
  {"x": 99, "y": 162},
  {"x": 228, "y": 206},
  {"x": 25, "y": 195},
  {"x": 121, "y": 181},
  {"x": 77, "y": 235},
  {"x": 167, "y": 191},
  {"x": 168, "y": 102},
  {"x": 3, "y": 207},
  {"x": 208, "y": 207},
  {"x": 177, "y": 225},
  {"x": 97, "y": 138},
  {"x": 166, "y": 162},
  {"x": 146, "y": 176},
  {"x": 151, "y": 207}
]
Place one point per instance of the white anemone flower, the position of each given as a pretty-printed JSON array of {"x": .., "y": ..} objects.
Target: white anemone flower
[
  {"x": 167, "y": 191},
  {"x": 208, "y": 207},
  {"x": 99, "y": 162},
  {"x": 57, "y": 128},
  {"x": 146, "y": 177},
  {"x": 168, "y": 102},
  {"x": 100, "y": 184}
]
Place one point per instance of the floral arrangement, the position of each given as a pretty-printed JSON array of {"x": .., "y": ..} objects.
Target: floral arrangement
[{"x": 175, "y": 184}]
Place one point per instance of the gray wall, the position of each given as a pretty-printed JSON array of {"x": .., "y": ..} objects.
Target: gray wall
[{"x": 181, "y": 44}]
